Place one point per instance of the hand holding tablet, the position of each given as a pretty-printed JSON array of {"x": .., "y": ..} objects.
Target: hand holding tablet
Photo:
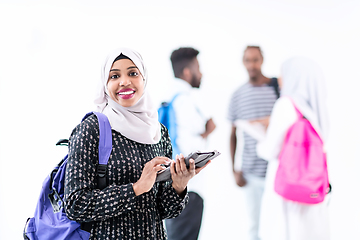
[{"x": 200, "y": 158}]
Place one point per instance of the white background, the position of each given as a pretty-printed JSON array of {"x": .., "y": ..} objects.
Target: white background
[{"x": 50, "y": 59}]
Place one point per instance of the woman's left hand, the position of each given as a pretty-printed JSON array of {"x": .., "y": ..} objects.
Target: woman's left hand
[{"x": 181, "y": 175}]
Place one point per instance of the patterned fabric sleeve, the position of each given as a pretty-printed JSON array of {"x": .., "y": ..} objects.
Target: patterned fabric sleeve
[
  {"x": 83, "y": 201},
  {"x": 169, "y": 203}
]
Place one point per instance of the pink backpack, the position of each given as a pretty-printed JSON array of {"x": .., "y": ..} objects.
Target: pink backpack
[{"x": 302, "y": 175}]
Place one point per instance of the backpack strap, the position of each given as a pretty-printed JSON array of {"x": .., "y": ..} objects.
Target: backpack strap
[
  {"x": 298, "y": 113},
  {"x": 173, "y": 99},
  {"x": 173, "y": 130},
  {"x": 105, "y": 147},
  {"x": 274, "y": 83}
]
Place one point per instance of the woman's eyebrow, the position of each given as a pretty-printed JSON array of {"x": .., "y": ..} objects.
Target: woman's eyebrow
[{"x": 114, "y": 69}]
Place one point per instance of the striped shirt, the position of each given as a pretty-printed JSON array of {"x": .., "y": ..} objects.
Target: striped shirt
[{"x": 250, "y": 102}]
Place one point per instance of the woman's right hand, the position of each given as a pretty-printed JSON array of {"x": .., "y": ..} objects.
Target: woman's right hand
[{"x": 148, "y": 175}]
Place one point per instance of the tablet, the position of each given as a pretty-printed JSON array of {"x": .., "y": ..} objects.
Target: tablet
[{"x": 200, "y": 158}]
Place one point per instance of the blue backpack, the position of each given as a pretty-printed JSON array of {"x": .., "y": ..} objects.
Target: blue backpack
[
  {"x": 50, "y": 220},
  {"x": 167, "y": 117}
]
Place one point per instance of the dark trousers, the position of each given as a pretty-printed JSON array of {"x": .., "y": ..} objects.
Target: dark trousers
[{"x": 187, "y": 225}]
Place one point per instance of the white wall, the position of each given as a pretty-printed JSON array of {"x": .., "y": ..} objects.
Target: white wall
[{"x": 50, "y": 58}]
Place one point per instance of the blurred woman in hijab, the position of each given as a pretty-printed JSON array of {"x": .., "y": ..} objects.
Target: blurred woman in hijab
[
  {"x": 302, "y": 84},
  {"x": 133, "y": 205}
]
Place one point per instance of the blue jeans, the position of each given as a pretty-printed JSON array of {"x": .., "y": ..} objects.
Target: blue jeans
[{"x": 253, "y": 192}]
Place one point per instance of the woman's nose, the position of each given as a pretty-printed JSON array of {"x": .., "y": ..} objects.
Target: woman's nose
[{"x": 125, "y": 81}]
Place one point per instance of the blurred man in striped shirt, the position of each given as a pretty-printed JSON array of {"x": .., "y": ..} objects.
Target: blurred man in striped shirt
[{"x": 251, "y": 102}]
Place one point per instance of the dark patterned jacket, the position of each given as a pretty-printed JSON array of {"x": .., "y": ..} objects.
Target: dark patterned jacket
[{"x": 115, "y": 211}]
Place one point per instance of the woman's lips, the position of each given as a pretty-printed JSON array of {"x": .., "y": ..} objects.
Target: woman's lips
[{"x": 126, "y": 93}]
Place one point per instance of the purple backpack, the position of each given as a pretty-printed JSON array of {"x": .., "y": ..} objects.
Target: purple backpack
[
  {"x": 302, "y": 175},
  {"x": 50, "y": 220}
]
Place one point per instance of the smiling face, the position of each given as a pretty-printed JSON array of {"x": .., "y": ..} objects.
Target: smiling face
[{"x": 125, "y": 83}]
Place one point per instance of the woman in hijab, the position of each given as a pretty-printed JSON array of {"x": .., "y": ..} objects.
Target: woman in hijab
[
  {"x": 303, "y": 82},
  {"x": 132, "y": 206}
]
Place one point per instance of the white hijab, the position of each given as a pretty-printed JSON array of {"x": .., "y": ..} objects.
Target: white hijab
[
  {"x": 303, "y": 81},
  {"x": 138, "y": 122}
]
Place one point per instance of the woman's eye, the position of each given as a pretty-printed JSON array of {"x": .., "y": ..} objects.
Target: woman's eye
[
  {"x": 114, "y": 76},
  {"x": 134, "y": 74}
]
